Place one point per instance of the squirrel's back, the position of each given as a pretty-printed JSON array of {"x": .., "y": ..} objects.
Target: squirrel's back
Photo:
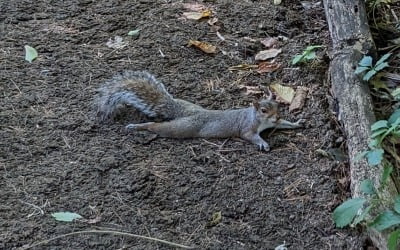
[{"x": 140, "y": 90}]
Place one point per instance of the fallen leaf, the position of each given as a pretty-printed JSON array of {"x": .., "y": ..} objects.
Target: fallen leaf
[
  {"x": 269, "y": 42},
  {"x": 215, "y": 219},
  {"x": 66, "y": 216},
  {"x": 194, "y": 6},
  {"x": 285, "y": 94},
  {"x": 243, "y": 67},
  {"x": 267, "y": 54},
  {"x": 299, "y": 99},
  {"x": 133, "y": 33},
  {"x": 116, "y": 43},
  {"x": 193, "y": 15},
  {"x": 267, "y": 67},
  {"x": 197, "y": 15},
  {"x": 205, "y": 47},
  {"x": 30, "y": 53}
]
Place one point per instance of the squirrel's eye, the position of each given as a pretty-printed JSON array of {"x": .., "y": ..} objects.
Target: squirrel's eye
[{"x": 264, "y": 110}]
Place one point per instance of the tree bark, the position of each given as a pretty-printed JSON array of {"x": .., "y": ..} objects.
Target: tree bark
[{"x": 351, "y": 40}]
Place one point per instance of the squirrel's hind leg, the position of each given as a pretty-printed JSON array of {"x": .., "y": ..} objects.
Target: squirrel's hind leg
[
  {"x": 139, "y": 126},
  {"x": 179, "y": 128}
]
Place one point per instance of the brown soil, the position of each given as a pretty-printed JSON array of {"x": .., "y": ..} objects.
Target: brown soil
[{"x": 55, "y": 158}]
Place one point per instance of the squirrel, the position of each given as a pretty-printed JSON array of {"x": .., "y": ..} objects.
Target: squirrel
[{"x": 182, "y": 119}]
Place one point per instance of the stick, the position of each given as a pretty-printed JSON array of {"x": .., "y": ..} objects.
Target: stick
[{"x": 172, "y": 244}]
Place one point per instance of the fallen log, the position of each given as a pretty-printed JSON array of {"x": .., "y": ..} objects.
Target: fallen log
[{"x": 351, "y": 40}]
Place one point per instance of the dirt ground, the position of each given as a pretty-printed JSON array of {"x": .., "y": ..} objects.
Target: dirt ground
[{"x": 55, "y": 158}]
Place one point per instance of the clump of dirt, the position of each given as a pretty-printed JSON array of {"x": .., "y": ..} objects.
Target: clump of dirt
[{"x": 55, "y": 158}]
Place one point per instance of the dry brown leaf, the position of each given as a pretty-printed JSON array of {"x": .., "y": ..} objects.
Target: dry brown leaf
[
  {"x": 267, "y": 54},
  {"x": 205, "y": 47},
  {"x": 267, "y": 67},
  {"x": 269, "y": 42},
  {"x": 299, "y": 99},
  {"x": 283, "y": 93},
  {"x": 193, "y": 15},
  {"x": 194, "y": 6},
  {"x": 197, "y": 15},
  {"x": 243, "y": 67}
]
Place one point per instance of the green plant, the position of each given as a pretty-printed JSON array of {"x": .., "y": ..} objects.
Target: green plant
[
  {"x": 379, "y": 131},
  {"x": 354, "y": 211},
  {"x": 308, "y": 54},
  {"x": 366, "y": 65}
]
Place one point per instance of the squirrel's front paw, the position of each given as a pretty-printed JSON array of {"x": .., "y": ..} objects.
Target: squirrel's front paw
[{"x": 264, "y": 146}]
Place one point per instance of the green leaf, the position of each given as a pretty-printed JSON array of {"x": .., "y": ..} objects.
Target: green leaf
[
  {"x": 344, "y": 214},
  {"x": 373, "y": 143},
  {"x": 393, "y": 239},
  {"x": 375, "y": 156},
  {"x": 133, "y": 33},
  {"x": 385, "y": 220},
  {"x": 360, "y": 69},
  {"x": 311, "y": 55},
  {"x": 297, "y": 59},
  {"x": 66, "y": 216},
  {"x": 383, "y": 58},
  {"x": 394, "y": 116},
  {"x": 387, "y": 170},
  {"x": 381, "y": 66},
  {"x": 366, "y": 61},
  {"x": 378, "y": 132},
  {"x": 369, "y": 74},
  {"x": 313, "y": 47},
  {"x": 30, "y": 53},
  {"x": 397, "y": 204},
  {"x": 379, "y": 124},
  {"x": 367, "y": 187},
  {"x": 361, "y": 217}
]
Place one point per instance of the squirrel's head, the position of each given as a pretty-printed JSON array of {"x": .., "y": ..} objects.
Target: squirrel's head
[{"x": 267, "y": 109}]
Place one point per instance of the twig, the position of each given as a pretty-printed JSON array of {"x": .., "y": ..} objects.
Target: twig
[{"x": 172, "y": 244}]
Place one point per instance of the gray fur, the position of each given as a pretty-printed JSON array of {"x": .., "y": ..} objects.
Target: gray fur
[
  {"x": 114, "y": 95},
  {"x": 183, "y": 119}
]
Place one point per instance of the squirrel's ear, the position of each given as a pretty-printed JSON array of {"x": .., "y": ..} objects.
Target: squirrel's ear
[{"x": 256, "y": 104}]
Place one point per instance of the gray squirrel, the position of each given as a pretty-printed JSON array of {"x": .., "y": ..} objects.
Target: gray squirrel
[{"x": 182, "y": 119}]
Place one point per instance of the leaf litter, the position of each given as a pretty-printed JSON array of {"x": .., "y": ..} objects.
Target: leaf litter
[
  {"x": 204, "y": 46},
  {"x": 267, "y": 54}
]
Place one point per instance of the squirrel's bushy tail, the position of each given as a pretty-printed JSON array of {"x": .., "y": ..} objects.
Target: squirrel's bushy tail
[{"x": 138, "y": 89}]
